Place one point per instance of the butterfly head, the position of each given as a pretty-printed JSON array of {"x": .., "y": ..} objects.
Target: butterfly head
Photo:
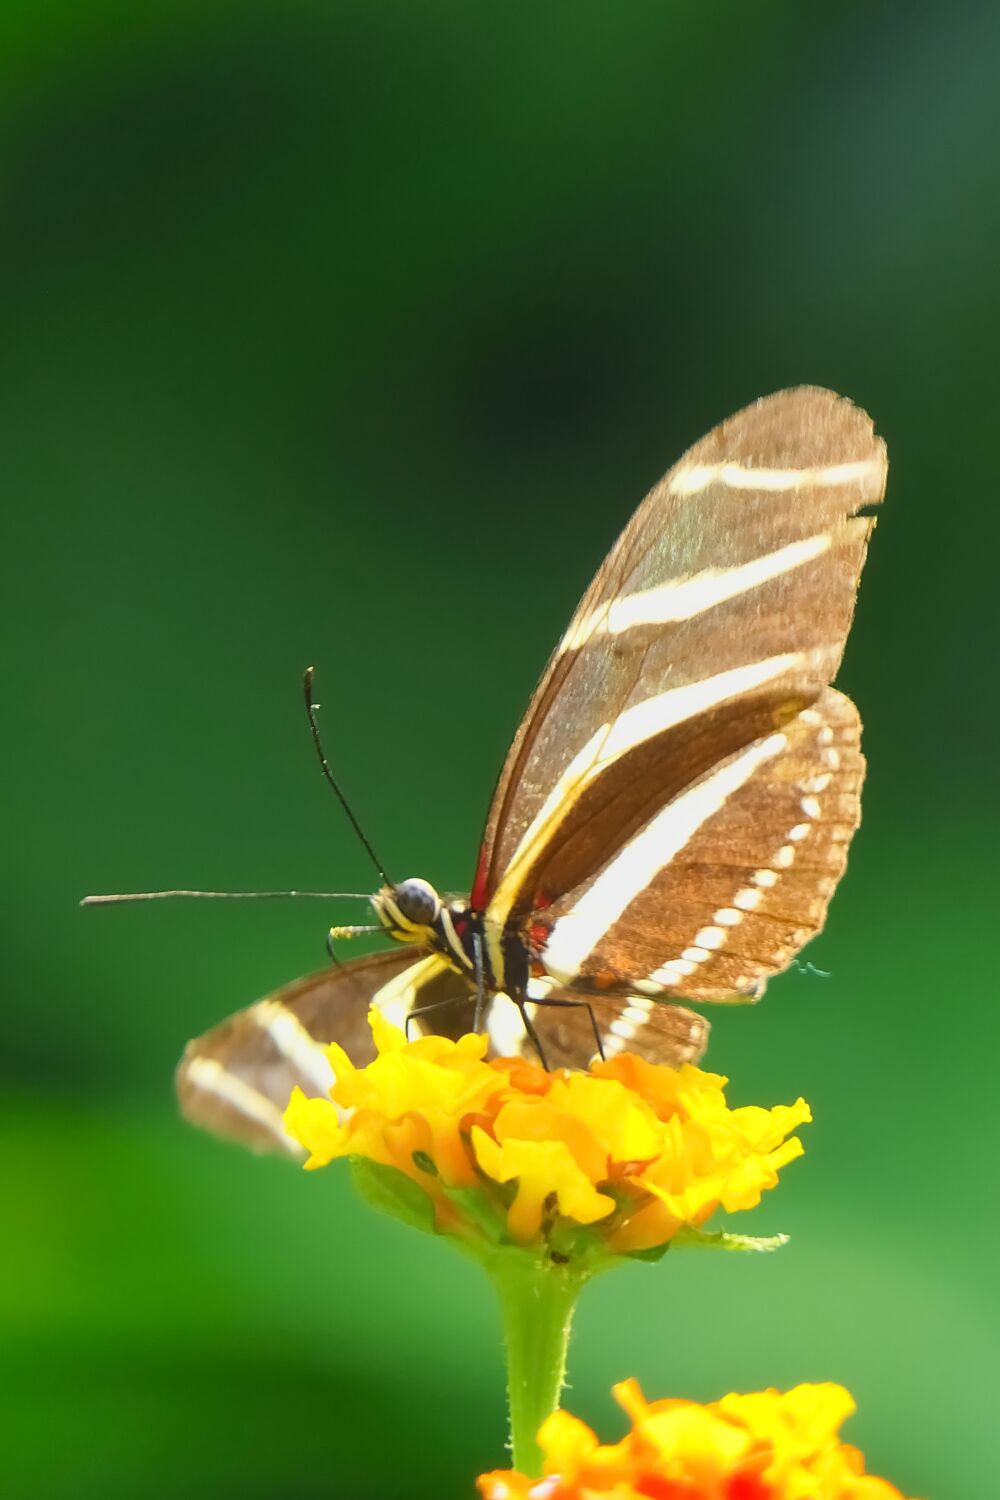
[{"x": 408, "y": 911}]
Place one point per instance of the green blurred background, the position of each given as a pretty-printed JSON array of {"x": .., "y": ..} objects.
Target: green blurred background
[{"x": 352, "y": 333}]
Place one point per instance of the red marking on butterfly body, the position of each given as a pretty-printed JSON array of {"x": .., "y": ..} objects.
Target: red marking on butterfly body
[{"x": 538, "y": 934}]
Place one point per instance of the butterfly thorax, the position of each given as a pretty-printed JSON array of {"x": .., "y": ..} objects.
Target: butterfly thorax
[{"x": 413, "y": 912}]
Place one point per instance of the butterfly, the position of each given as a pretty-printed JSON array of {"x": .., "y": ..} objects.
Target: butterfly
[{"x": 673, "y": 813}]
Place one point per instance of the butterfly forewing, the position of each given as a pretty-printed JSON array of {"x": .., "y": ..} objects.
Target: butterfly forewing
[
  {"x": 719, "y": 614},
  {"x": 236, "y": 1080}
]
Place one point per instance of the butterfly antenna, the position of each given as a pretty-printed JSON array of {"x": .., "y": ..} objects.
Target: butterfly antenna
[
  {"x": 224, "y": 896},
  {"x": 311, "y": 708}
]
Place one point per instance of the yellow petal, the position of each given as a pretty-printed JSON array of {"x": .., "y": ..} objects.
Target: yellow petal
[
  {"x": 387, "y": 1037},
  {"x": 566, "y": 1442},
  {"x": 624, "y": 1123},
  {"x": 542, "y": 1169},
  {"x": 315, "y": 1124}
]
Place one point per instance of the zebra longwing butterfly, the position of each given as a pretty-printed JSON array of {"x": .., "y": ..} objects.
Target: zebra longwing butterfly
[{"x": 674, "y": 811}]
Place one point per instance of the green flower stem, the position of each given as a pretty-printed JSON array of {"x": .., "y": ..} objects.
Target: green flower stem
[{"x": 537, "y": 1298}]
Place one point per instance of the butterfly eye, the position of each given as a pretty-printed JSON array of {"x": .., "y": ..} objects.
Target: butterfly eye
[{"x": 417, "y": 902}]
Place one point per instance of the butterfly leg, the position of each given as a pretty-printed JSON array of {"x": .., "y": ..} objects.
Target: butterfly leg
[
  {"x": 337, "y": 962},
  {"x": 477, "y": 957},
  {"x": 425, "y": 1010},
  {"x": 532, "y": 1034}
]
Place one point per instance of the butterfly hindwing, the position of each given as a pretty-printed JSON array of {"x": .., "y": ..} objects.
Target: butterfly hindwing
[
  {"x": 236, "y": 1080},
  {"x": 565, "y": 1022},
  {"x": 728, "y": 881}
]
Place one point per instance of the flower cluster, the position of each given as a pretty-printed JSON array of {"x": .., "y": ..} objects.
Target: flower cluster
[
  {"x": 771, "y": 1445},
  {"x": 640, "y": 1152}
]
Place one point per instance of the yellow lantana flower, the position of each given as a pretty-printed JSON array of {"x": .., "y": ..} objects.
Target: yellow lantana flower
[
  {"x": 639, "y": 1152},
  {"x": 771, "y": 1445}
]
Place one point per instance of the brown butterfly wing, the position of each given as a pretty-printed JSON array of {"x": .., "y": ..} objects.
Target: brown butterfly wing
[
  {"x": 236, "y": 1080},
  {"x": 666, "y": 1034},
  {"x": 727, "y": 882},
  {"x": 721, "y": 611}
]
